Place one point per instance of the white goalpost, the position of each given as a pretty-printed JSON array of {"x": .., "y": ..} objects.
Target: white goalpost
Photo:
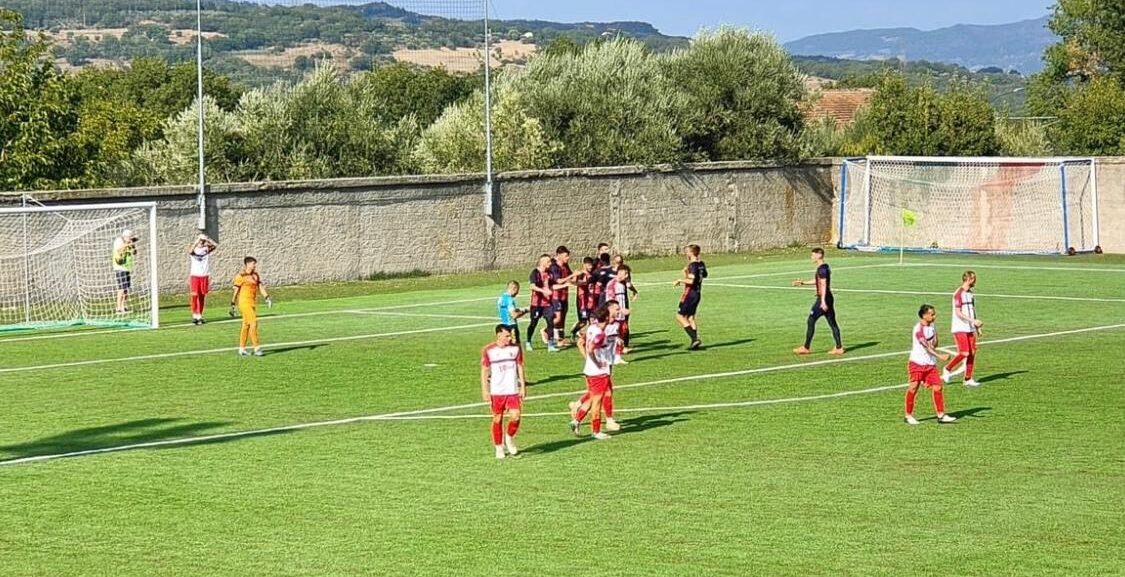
[
  {"x": 58, "y": 266},
  {"x": 980, "y": 205}
]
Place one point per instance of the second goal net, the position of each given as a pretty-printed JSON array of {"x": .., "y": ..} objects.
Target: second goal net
[
  {"x": 74, "y": 265},
  {"x": 988, "y": 205}
]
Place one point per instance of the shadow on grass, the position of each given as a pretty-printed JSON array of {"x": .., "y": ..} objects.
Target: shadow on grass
[
  {"x": 108, "y": 436},
  {"x": 1000, "y": 376},
  {"x": 282, "y": 350},
  {"x": 974, "y": 412},
  {"x": 726, "y": 344},
  {"x": 641, "y": 335},
  {"x": 554, "y": 378},
  {"x": 861, "y": 346},
  {"x": 629, "y": 426}
]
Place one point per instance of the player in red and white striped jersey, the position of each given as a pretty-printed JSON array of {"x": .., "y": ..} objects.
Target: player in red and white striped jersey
[
  {"x": 923, "y": 366},
  {"x": 502, "y": 384},
  {"x": 598, "y": 370},
  {"x": 966, "y": 327},
  {"x": 583, "y": 403}
]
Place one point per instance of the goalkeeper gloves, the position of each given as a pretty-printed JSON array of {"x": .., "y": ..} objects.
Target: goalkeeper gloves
[
  {"x": 232, "y": 312},
  {"x": 269, "y": 302}
]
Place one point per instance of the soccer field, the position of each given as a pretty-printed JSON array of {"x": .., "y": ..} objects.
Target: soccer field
[{"x": 357, "y": 446}]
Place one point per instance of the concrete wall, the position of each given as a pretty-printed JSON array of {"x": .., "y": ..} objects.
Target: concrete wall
[
  {"x": 349, "y": 229},
  {"x": 1111, "y": 203},
  {"x": 352, "y": 228}
]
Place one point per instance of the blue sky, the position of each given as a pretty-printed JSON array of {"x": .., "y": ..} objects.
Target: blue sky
[{"x": 786, "y": 19}]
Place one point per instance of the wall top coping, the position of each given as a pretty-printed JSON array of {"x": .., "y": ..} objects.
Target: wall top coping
[{"x": 343, "y": 184}]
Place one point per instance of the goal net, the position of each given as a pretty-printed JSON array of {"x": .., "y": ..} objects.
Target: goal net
[
  {"x": 69, "y": 265},
  {"x": 988, "y": 205}
]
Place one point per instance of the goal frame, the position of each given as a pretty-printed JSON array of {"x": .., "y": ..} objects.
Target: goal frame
[
  {"x": 149, "y": 207},
  {"x": 1062, "y": 161}
]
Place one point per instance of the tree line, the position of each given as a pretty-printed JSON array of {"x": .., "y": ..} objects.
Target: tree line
[{"x": 730, "y": 95}]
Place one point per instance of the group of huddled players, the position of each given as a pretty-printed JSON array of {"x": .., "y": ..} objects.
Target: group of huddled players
[
  {"x": 605, "y": 290},
  {"x": 604, "y": 293}
]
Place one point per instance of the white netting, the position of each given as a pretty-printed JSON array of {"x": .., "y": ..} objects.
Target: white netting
[
  {"x": 57, "y": 268},
  {"x": 977, "y": 205}
]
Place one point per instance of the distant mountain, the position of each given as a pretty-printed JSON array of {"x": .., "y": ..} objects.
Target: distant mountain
[{"x": 1016, "y": 46}]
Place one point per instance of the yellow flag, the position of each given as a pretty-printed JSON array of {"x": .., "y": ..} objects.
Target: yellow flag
[{"x": 909, "y": 218}]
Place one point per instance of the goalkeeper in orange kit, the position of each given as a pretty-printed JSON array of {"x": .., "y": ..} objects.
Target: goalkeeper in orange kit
[{"x": 247, "y": 285}]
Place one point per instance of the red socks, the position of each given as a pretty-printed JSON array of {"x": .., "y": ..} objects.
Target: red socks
[
  {"x": 607, "y": 406},
  {"x": 581, "y": 416},
  {"x": 497, "y": 435},
  {"x": 954, "y": 362},
  {"x": 969, "y": 362},
  {"x": 513, "y": 426},
  {"x": 939, "y": 401},
  {"x": 910, "y": 401},
  {"x": 596, "y": 425}
]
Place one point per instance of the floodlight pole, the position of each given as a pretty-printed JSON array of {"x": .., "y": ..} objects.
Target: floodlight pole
[
  {"x": 199, "y": 98},
  {"x": 488, "y": 185}
]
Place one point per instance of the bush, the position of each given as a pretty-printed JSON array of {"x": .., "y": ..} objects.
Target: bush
[{"x": 744, "y": 96}]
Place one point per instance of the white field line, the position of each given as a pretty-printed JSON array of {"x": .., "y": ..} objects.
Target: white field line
[
  {"x": 701, "y": 407},
  {"x": 446, "y": 409},
  {"x": 233, "y": 349},
  {"x": 260, "y": 318},
  {"x": 805, "y": 272},
  {"x": 426, "y": 315},
  {"x": 924, "y": 293},
  {"x": 1012, "y": 267}
]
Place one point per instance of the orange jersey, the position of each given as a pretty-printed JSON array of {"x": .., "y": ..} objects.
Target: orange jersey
[{"x": 247, "y": 285}]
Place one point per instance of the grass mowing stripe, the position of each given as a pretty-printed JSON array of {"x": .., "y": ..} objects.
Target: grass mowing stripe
[
  {"x": 921, "y": 293},
  {"x": 232, "y": 349},
  {"x": 1011, "y": 267},
  {"x": 260, "y": 318},
  {"x": 401, "y": 414}
]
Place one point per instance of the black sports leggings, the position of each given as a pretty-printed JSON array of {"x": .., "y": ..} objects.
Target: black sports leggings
[{"x": 815, "y": 315}]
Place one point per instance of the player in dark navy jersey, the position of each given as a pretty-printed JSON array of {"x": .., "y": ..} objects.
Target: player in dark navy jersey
[
  {"x": 561, "y": 279},
  {"x": 541, "y": 295},
  {"x": 824, "y": 306},
  {"x": 692, "y": 281},
  {"x": 603, "y": 273}
]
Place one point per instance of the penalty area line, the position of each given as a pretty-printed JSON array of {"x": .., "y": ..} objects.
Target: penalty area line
[
  {"x": 923, "y": 293},
  {"x": 403, "y": 415}
]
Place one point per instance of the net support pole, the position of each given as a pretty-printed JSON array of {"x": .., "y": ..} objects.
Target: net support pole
[
  {"x": 154, "y": 282},
  {"x": 26, "y": 264},
  {"x": 901, "y": 236},
  {"x": 1094, "y": 198},
  {"x": 199, "y": 97},
  {"x": 488, "y": 184},
  {"x": 1065, "y": 211},
  {"x": 867, "y": 203},
  {"x": 843, "y": 203}
]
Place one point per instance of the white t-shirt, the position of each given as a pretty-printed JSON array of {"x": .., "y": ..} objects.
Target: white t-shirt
[
  {"x": 200, "y": 261},
  {"x": 503, "y": 363},
  {"x": 923, "y": 334},
  {"x": 965, "y": 302},
  {"x": 603, "y": 345}
]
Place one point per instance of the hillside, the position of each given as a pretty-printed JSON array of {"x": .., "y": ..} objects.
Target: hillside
[
  {"x": 1017, "y": 46},
  {"x": 258, "y": 43}
]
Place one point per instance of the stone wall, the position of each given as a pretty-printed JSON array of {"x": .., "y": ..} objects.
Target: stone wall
[{"x": 353, "y": 228}]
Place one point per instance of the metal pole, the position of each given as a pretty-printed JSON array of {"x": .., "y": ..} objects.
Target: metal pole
[
  {"x": 1094, "y": 197},
  {"x": 26, "y": 263},
  {"x": 488, "y": 187},
  {"x": 153, "y": 280},
  {"x": 199, "y": 98},
  {"x": 1065, "y": 212},
  {"x": 867, "y": 204}
]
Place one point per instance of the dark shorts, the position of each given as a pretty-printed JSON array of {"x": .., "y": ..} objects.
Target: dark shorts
[
  {"x": 540, "y": 312},
  {"x": 584, "y": 314},
  {"x": 560, "y": 307},
  {"x": 689, "y": 304},
  {"x": 124, "y": 279}
]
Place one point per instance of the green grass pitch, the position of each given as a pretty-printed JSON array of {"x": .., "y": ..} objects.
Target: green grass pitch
[{"x": 707, "y": 477}]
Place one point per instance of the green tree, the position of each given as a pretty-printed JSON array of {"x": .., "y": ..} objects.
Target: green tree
[
  {"x": 1084, "y": 77},
  {"x": 37, "y": 113},
  {"x": 901, "y": 119},
  {"x": 403, "y": 89},
  {"x": 455, "y": 142},
  {"x": 610, "y": 104},
  {"x": 744, "y": 96}
]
